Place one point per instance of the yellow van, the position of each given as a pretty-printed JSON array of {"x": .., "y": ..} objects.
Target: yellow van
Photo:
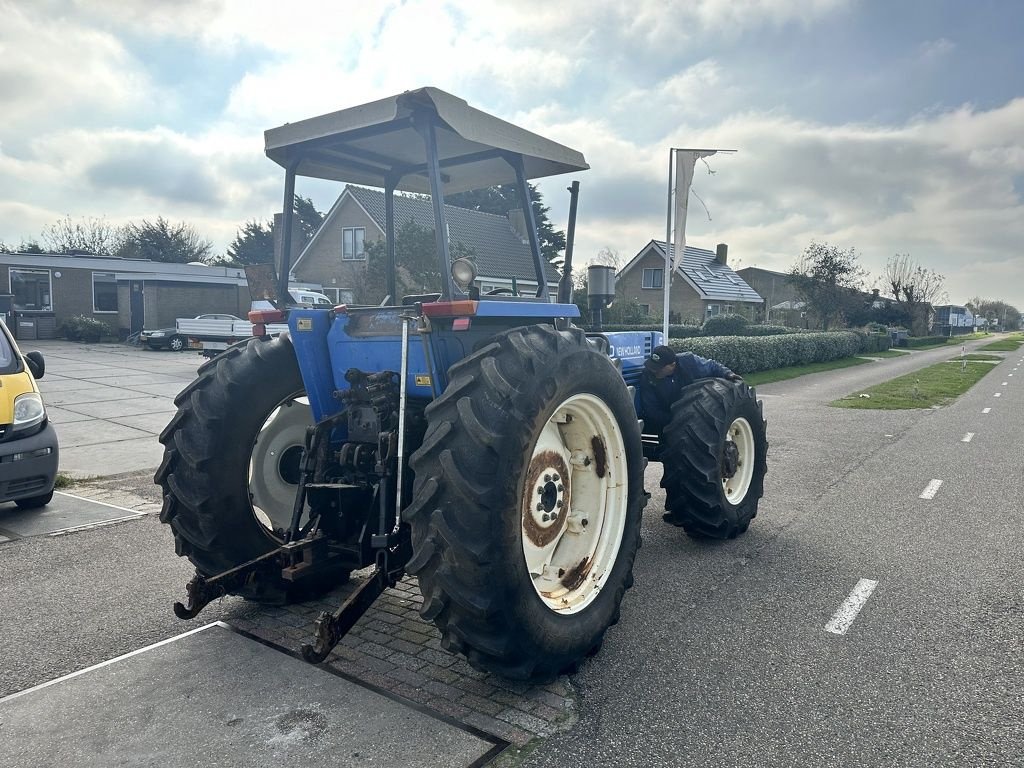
[{"x": 28, "y": 442}]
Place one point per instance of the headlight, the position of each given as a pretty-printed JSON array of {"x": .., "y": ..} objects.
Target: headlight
[
  {"x": 464, "y": 272},
  {"x": 156, "y": 334},
  {"x": 28, "y": 410}
]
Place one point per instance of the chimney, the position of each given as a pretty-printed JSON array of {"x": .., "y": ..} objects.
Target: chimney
[
  {"x": 722, "y": 254},
  {"x": 517, "y": 220}
]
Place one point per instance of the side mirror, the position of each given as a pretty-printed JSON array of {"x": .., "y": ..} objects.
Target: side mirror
[{"x": 36, "y": 365}]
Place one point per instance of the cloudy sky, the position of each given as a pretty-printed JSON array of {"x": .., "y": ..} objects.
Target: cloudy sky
[{"x": 887, "y": 126}]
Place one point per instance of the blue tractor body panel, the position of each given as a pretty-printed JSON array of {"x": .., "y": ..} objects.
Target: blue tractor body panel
[{"x": 327, "y": 344}]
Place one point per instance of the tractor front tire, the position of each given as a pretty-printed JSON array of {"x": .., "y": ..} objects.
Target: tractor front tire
[
  {"x": 229, "y": 471},
  {"x": 527, "y": 503},
  {"x": 714, "y": 455}
]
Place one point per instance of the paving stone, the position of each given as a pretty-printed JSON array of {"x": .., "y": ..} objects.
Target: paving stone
[
  {"x": 440, "y": 674},
  {"x": 439, "y": 658},
  {"x": 526, "y": 721},
  {"x": 481, "y": 704},
  {"x": 375, "y": 665},
  {"x": 474, "y": 686},
  {"x": 373, "y": 636},
  {"x": 405, "y": 646},
  {"x": 400, "y": 659},
  {"x": 376, "y": 650},
  {"x": 448, "y": 707},
  {"x": 442, "y": 690},
  {"x": 410, "y": 677}
]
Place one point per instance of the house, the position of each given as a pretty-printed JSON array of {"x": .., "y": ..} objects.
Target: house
[
  {"x": 953, "y": 320},
  {"x": 779, "y": 293},
  {"x": 335, "y": 256},
  {"x": 44, "y": 290},
  {"x": 704, "y": 284}
]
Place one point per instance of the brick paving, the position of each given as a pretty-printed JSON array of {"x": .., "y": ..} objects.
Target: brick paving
[{"x": 390, "y": 648}]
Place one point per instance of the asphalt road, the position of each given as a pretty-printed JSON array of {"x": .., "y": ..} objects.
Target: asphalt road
[{"x": 721, "y": 656}]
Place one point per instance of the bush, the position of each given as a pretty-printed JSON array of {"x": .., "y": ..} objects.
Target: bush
[
  {"x": 82, "y": 328},
  {"x": 725, "y": 325},
  {"x": 749, "y": 354},
  {"x": 873, "y": 342},
  {"x": 922, "y": 341}
]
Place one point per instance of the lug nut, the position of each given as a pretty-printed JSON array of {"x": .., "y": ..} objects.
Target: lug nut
[
  {"x": 561, "y": 488},
  {"x": 540, "y": 507},
  {"x": 545, "y": 517},
  {"x": 555, "y": 478},
  {"x": 559, "y": 502},
  {"x": 547, "y": 478}
]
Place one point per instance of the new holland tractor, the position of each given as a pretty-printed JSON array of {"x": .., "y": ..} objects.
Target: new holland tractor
[{"x": 485, "y": 444}]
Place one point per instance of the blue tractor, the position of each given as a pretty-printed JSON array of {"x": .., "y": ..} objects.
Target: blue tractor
[{"x": 485, "y": 444}]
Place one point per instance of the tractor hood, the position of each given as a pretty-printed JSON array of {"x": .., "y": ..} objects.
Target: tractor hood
[{"x": 365, "y": 144}]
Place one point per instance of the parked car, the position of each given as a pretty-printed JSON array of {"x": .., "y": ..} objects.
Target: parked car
[
  {"x": 28, "y": 443},
  {"x": 169, "y": 338}
]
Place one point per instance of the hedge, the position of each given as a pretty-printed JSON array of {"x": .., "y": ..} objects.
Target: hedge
[
  {"x": 746, "y": 354},
  {"x": 922, "y": 341},
  {"x": 725, "y": 325},
  {"x": 693, "y": 331}
]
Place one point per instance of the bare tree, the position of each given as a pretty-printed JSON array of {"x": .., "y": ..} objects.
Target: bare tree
[
  {"x": 86, "y": 235},
  {"x": 914, "y": 287}
]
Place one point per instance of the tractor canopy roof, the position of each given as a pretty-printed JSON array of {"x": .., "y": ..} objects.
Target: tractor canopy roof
[{"x": 369, "y": 143}]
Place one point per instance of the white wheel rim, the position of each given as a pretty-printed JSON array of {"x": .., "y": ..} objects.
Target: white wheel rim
[
  {"x": 573, "y": 512},
  {"x": 273, "y": 464},
  {"x": 737, "y": 486}
]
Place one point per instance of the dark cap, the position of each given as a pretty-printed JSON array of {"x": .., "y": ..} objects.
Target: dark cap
[{"x": 660, "y": 357}]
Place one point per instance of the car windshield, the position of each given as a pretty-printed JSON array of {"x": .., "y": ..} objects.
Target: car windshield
[{"x": 9, "y": 362}]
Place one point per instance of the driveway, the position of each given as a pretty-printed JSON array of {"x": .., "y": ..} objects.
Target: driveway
[{"x": 109, "y": 402}]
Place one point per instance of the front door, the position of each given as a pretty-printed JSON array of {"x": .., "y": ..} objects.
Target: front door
[{"x": 137, "y": 307}]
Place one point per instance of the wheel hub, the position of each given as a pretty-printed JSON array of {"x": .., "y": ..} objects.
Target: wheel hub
[{"x": 548, "y": 498}]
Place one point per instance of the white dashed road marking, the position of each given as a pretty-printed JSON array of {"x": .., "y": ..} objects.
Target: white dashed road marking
[
  {"x": 985, "y": 410},
  {"x": 1005, "y": 383},
  {"x": 967, "y": 438},
  {"x": 843, "y": 618},
  {"x": 997, "y": 394},
  {"x": 930, "y": 490}
]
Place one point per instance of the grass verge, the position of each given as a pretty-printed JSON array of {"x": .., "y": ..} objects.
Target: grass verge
[
  {"x": 1003, "y": 345},
  {"x": 781, "y": 374},
  {"x": 63, "y": 481},
  {"x": 978, "y": 356},
  {"x": 938, "y": 384}
]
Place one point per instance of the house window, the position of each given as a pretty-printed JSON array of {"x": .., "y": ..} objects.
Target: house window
[
  {"x": 646, "y": 309},
  {"x": 652, "y": 278},
  {"x": 352, "y": 244},
  {"x": 31, "y": 289},
  {"x": 104, "y": 292},
  {"x": 712, "y": 310},
  {"x": 728, "y": 309}
]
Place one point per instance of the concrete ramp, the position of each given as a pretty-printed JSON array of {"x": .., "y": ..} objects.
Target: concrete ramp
[{"x": 213, "y": 697}]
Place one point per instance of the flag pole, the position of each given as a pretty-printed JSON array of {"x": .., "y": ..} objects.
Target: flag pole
[{"x": 666, "y": 279}]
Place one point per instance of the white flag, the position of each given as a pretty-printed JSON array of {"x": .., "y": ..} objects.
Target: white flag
[{"x": 686, "y": 160}]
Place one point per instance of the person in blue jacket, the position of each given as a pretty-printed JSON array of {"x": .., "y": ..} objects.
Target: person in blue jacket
[{"x": 665, "y": 375}]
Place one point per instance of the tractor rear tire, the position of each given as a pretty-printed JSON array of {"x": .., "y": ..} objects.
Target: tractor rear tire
[
  {"x": 527, "y": 503},
  {"x": 714, "y": 454},
  {"x": 222, "y": 451}
]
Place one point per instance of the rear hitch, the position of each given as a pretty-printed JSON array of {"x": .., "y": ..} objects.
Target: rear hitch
[
  {"x": 293, "y": 561},
  {"x": 331, "y": 627}
]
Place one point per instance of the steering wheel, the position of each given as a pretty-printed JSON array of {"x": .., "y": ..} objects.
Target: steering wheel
[{"x": 499, "y": 291}]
